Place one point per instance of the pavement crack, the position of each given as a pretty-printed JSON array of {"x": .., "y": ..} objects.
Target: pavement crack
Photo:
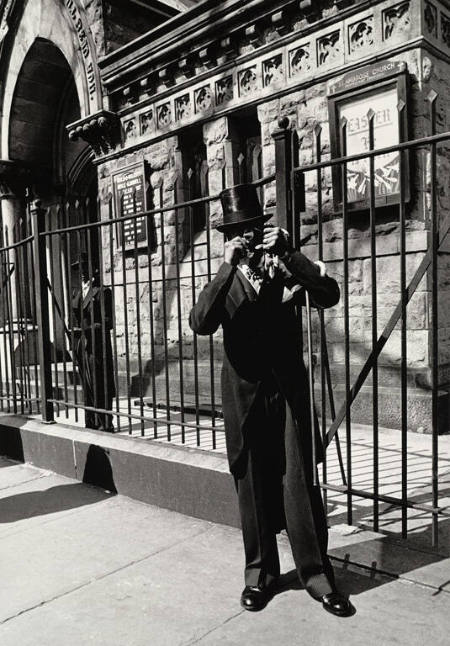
[
  {"x": 100, "y": 577},
  {"x": 197, "y": 640}
]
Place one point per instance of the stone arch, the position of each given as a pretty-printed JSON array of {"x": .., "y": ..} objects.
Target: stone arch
[{"x": 49, "y": 20}]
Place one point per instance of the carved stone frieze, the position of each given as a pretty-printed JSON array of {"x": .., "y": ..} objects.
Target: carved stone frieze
[
  {"x": 328, "y": 48},
  {"x": 147, "y": 122},
  {"x": 224, "y": 90},
  {"x": 300, "y": 60},
  {"x": 445, "y": 29},
  {"x": 164, "y": 115},
  {"x": 360, "y": 34},
  {"x": 396, "y": 20},
  {"x": 430, "y": 17},
  {"x": 203, "y": 99},
  {"x": 247, "y": 81},
  {"x": 273, "y": 70},
  {"x": 100, "y": 130},
  {"x": 183, "y": 108}
]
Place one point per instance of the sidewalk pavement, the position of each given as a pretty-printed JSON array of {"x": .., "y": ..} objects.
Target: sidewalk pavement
[{"x": 81, "y": 566}]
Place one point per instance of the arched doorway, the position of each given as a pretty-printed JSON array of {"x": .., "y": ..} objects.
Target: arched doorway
[{"x": 60, "y": 172}]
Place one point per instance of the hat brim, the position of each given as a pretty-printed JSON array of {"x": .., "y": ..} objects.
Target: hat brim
[{"x": 242, "y": 221}]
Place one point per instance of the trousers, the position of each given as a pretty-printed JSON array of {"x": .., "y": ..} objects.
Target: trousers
[{"x": 275, "y": 491}]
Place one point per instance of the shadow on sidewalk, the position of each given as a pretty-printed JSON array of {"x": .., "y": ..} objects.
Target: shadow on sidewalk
[
  {"x": 97, "y": 472},
  {"x": 49, "y": 501}
]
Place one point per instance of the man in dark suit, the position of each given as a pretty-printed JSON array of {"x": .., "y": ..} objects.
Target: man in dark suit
[
  {"x": 265, "y": 397},
  {"x": 92, "y": 325}
]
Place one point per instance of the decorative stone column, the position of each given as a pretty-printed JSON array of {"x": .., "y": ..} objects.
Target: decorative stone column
[{"x": 12, "y": 191}]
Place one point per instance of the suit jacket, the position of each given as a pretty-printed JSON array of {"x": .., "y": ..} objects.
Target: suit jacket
[
  {"x": 262, "y": 343},
  {"x": 87, "y": 315}
]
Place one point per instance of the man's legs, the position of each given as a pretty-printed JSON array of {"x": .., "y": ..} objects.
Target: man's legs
[
  {"x": 305, "y": 518},
  {"x": 259, "y": 488}
]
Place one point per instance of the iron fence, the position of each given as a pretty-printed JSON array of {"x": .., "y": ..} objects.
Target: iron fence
[{"x": 155, "y": 378}]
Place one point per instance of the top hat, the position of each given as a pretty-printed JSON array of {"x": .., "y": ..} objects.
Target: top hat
[{"x": 240, "y": 205}]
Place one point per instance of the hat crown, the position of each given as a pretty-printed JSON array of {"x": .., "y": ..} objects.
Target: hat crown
[{"x": 240, "y": 205}]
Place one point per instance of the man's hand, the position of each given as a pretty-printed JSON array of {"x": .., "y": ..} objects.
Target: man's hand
[
  {"x": 235, "y": 249},
  {"x": 275, "y": 241}
]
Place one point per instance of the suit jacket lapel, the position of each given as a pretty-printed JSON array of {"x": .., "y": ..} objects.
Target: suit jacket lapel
[{"x": 240, "y": 291}]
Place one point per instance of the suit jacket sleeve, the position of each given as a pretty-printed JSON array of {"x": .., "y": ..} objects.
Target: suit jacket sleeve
[
  {"x": 208, "y": 312},
  {"x": 323, "y": 290}
]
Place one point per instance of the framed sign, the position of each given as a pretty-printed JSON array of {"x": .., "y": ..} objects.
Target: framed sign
[
  {"x": 381, "y": 94},
  {"x": 130, "y": 198}
]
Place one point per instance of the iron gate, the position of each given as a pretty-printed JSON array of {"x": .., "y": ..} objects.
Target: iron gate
[{"x": 165, "y": 378}]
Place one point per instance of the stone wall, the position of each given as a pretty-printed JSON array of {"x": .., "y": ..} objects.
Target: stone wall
[{"x": 385, "y": 27}]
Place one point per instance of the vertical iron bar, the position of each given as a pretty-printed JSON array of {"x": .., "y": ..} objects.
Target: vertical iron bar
[
  {"x": 152, "y": 323},
  {"x": 5, "y": 320},
  {"x": 9, "y": 309},
  {"x": 20, "y": 318},
  {"x": 34, "y": 308},
  {"x": 113, "y": 305},
  {"x": 193, "y": 296},
  {"x": 62, "y": 309},
  {"x": 404, "y": 348},
  {"x": 92, "y": 315},
  {"x": 42, "y": 313},
  {"x": 68, "y": 256},
  {"x": 3, "y": 279},
  {"x": 179, "y": 315},
  {"x": 311, "y": 389},
  {"x": 104, "y": 332},
  {"x": 373, "y": 266},
  {"x": 318, "y": 146},
  {"x": 52, "y": 283},
  {"x": 211, "y": 340},
  {"x": 125, "y": 322},
  {"x": 138, "y": 316},
  {"x": 164, "y": 312},
  {"x": 434, "y": 323},
  {"x": 343, "y": 138}
]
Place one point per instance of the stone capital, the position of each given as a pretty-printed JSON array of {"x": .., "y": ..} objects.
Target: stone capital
[{"x": 100, "y": 130}]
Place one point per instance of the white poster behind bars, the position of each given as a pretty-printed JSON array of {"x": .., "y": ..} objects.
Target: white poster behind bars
[{"x": 386, "y": 133}]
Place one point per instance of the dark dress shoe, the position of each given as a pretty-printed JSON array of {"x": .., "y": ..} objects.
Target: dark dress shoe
[
  {"x": 256, "y": 598},
  {"x": 338, "y": 605}
]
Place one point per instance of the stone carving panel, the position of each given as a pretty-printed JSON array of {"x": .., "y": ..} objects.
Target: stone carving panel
[
  {"x": 183, "y": 108},
  {"x": 396, "y": 20},
  {"x": 360, "y": 35},
  {"x": 164, "y": 113},
  {"x": 247, "y": 81},
  {"x": 147, "y": 122},
  {"x": 430, "y": 16},
  {"x": 328, "y": 48},
  {"x": 203, "y": 99},
  {"x": 273, "y": 70},
  {"x": 300, "y": 60},
  {"x": 130, "y": 129},
  {"x": 224, "y": 90},
  {"x": 445, "y": 29}
]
